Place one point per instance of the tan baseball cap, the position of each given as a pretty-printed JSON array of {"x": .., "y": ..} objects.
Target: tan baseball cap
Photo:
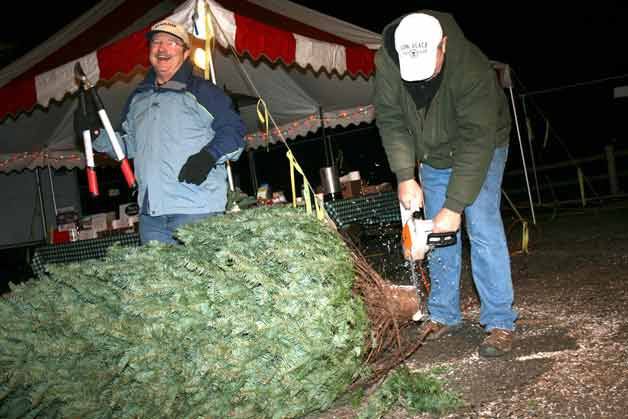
[{"x": 172, "y": 28}]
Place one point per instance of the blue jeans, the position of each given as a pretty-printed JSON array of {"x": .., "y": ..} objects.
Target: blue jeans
[
  {"x": 161, "y": 228},
  {"x": 490, "y": 260}
]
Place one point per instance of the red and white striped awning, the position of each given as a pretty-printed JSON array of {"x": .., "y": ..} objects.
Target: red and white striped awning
[
  {"x": 256, "y": 32},
  {"x": 323, "y": 75}
]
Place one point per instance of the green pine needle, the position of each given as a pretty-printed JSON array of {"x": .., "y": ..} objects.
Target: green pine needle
[
  {"x": 252, "y": 317},
  {"x": 415, "y": 392}
]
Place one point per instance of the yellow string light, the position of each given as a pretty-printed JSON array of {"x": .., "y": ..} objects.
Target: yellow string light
[
  {"x": 307, "y": 122},
  {"x": 39, "y": 154}
]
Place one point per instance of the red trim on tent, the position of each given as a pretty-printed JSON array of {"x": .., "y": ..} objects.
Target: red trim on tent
[
  {"x": 272, "y": 39},
  {"x": 259, "y": 14},
  {"x": 97, "y": 35},
  {"x": 263, "y": 38},
  {"x": 20, "y": 95},
  {"x": 257, "y": 39},
  {"x": 360, "y": 60},
  {"x": 17, "y": 96},
  {"x": 123, "y": 56}
]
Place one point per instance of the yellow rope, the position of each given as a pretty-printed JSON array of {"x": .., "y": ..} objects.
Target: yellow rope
[
  {"x": 525, "y": 236},
  {"x": 307, "y": 188},
  {"x": 525, "y": 230},
  {"x": 262, "y": 115},
  {"x": 266, "y": 119}
]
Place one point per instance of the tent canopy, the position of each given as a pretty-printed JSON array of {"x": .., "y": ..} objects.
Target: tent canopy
[{"x": 300, "y": 62}]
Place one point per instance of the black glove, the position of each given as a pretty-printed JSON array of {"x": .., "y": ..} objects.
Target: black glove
[
  {"x": 196, "y": 169},
  {"x": 91, "y": 121}
]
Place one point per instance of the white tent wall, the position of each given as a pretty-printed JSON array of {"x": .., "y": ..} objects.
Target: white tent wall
[
  {"x": 20, "y": 214},
  {"x": 292, "y": 95}
]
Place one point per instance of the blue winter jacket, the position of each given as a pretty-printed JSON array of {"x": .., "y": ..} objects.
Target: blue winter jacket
[{"x": 162, "y": 126}]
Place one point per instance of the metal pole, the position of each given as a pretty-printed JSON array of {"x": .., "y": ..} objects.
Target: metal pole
[
  {"x": 329, "y": 153},
  {"x": 253, "y": 171},
  {"x": 52, "y": 191},
  {"x": 44, "y": 223},
  {"x": 529, "y": 132},
  {"x": 583, "y": 198},
  {"x": 612, "y": 170},
  {"x": 523, "y": 158}
]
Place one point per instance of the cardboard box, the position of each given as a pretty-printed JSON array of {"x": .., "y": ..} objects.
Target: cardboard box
[
  {"x": 355, "y": 175},
  {"x": 85, "y": 223},
  {"x": 117, "y": 224},
  {"x": 87, "y": 234},
  {"x": 351, "y": 189},
  {"x": 99, "y": 222},
  {"x": 372, "y": 189}
]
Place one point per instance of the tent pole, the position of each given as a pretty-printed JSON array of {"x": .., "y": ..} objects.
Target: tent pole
[
  {"x": 44, "y": 223},
  {"x": 529, "y": 135},
  {"x": 523, "y": 159},
  {"x": 253, "y": 170},
  {"x": 329, "y": 152},
  {"x": 52, "y": 190}
]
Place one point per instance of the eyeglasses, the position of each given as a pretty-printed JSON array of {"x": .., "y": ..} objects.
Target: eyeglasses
[{"x": 170, "y": 43}]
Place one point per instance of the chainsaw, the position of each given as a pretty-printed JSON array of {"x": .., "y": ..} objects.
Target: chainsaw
[{"x": 417, "y": 240}]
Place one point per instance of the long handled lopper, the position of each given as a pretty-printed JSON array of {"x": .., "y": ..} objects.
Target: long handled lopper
[{"x": 86, "y": 86}]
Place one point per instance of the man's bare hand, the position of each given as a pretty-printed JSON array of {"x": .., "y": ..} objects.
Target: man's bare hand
[
  {"x": 408, "y": 192},
  {"x": 446, "y": 221}
]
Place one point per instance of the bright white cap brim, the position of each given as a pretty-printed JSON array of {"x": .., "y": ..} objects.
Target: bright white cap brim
[{"x": 413, "y": 69}]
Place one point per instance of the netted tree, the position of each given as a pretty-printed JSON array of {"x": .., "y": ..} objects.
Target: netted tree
[{"x": 258, "y": 314}]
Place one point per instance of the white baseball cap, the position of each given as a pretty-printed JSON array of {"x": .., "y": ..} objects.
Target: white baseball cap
[
  {"x": 172, "y": 28},
  {"x": 416, "y": 40}
]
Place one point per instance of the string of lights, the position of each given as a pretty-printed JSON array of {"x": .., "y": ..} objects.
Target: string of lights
[
  {"x": 311, "y": 124},
  {"x": 55, "y": 159},
  {"x": 301, "y": 127}
]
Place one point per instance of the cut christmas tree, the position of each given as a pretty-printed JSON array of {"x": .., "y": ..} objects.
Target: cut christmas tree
[{"x": 254, "y": 316}]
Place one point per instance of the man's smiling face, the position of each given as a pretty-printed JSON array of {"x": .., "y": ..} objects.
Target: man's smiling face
[{"x": 167, "y": 54}]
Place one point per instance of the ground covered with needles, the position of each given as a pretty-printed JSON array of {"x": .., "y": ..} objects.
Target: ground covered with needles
[{"x": 570, "y": 355}]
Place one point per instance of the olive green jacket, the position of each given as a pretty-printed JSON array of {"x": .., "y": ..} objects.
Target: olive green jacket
[{"x": 467, "y": 119}]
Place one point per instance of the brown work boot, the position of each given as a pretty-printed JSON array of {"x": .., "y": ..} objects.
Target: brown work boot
[
  {"x": 431, "y": 330},
  {"x": 497, "y": 343}
]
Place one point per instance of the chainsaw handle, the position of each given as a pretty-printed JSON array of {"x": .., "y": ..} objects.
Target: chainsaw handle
[
  {"x": 441, "y": 239},
  {"x": 418, "y": 214}
]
